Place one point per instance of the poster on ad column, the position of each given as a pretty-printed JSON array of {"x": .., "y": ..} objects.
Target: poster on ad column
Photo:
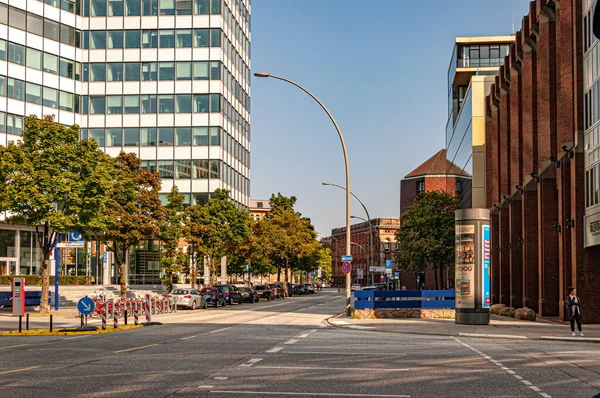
[
  {"x": 465, "y": 266},
  {"x": 486, "y": 298}
]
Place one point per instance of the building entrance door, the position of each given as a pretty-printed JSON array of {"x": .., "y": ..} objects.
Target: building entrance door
[{"x": 8, "y": 266}]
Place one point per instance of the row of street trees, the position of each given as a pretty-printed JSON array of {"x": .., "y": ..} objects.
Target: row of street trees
[{"x": 55, "y": 182}]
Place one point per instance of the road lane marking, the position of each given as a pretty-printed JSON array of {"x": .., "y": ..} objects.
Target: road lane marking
[
  {"x": 313, "y": 394},
  {"x": 499, "y": 336},
  {"x": 301, "y": 309},
  {"x": 136, "y": 348},
  {"x": 314, "y": 330},
  {"x": 77, "y": 337},
  {"x": 205, "y": 386},
  {"x": 14, "y": 346},
  {"x": 534, "y": 388},
  {"x": 374, "y": 354},
  {"x": 331, "y": 368},
  {"x": 291, "y": 341},
  {"x": 275, "y": 349},
  {"x": 252, "y": 362},
  {"x": 220, "y": 330},
  {"x": 221, "y": 378},
  {"x": 340, "y": 322},
  {"x": 187, "y": 338},
  {"x": 18, "y": 370},
  {"x": 303, "y": 335}
]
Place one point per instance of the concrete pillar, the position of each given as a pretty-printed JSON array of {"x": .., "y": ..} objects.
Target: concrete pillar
[
  {"x": 504, "y": 267},
  {"x": 224, "y": 269},
  {"x": 530, "y": 247},
  {"x": 548, "y": 247},
  {"x": 495, "y": 224},
  {"x": 515, "y": 253}
]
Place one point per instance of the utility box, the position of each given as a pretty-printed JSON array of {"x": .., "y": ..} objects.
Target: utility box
[{"x": 18, "y": 296}]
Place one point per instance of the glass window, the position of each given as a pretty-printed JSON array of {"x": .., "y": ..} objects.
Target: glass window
[
  {"x": 131, "y": 136},
  {"x": 183, "y": 168},
  {"x": 148, "y": 136},
  {"x": 66, "y": 101},
  {"x": 201, "y": 7},
  {"x": 97, "y": 105},
  {"x": 98, "y": 8},
  {"x": 2, "y": 86},
  {"x": 183, "y": 7},
  {"x": 183, "y": 103},
  {"x": 167, "y": 38},
  {"x": 86, "y": 39},
  {"x": 67, "y": 35},
  {"x": 66, "y": 68},
  {"x": 215, "y": 103},
  {"x": 165, "y": 168},
  {"x": 166, "y": 103},
  {"x": 114, "y": 137},
  {"x": 50, "y": 63},
  {"x": 14, "y": 124},
  {"x": 132, "y": 39},
  {"x": 85, "y": 104},
  {"x": 184, "y": 38},
  {"x": 132, "y": 104},
  {"x": 150, "y": 7},
  {"x": 115, "y": 8},
  {"x": 35, "y": 24},
  {"x": 2, "y": 122},
  {"x": 115, "y": 39},
  {"x": 167, "y": 7},
  {"x": 17, "y": 18},
  {"x": 183, "y": 136},
  {"x": 133, "y": 8},
  {"x": 200, "y": 169},
  {"x": 33, "y": 93},
  {"x": 149, "y": 39},
  {"x": 3, "y": 14},
  {"x": 201, "y": 136},
  {"x": 149, "y": 103},
  {"x": 215, "y": 169},
  {"x": 77, "y": 71},
  {"x": 50, "y": 97},
  {"x": 98, "y": 135},
  {"x": 97, "y": 39},
  {"x": 201, "y": 103},
  {"x": 201, "y": 37},
  {"x": 98, "y": 72},
  {"x": 16, "y": 53},
  {"x": 215, "y": 37},
  {"x": 16, "y": 89},
  {"x": 215, "y": 136},
  {"x": 165, "y": 136},
  {"x": 216, "y": 7},
  {"x": 34, "y": 58},
  {"x": 184, "y": 71},
  {"x": 149, "y": 165},
  {"x": 51, "y": 29},
  {"x": 114, "y": 72},
  {"x": 166, "y": 71},
  {"x": 132, "y": 71},
  {"x": 2, "y": 49},
  {"x": 150, "y": 71},
  {"x": 200, "y": 70},
  {"x": 215, "y": 70},
  {"x": 114, "y": 104}
]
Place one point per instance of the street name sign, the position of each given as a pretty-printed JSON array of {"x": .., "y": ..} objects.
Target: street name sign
[
  {"x": 86, "y": 306},
  {"x": 346, "y": 259},
  {"x": 377, "y": 269}
]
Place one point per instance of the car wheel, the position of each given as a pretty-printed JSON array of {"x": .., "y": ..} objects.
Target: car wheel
[
  {"x": 216, "y": 303},
  {"x": 240, "y": 301},
  {"x": 230, "y": 301},
  {"x": 193, "y": 305},
  {"x": 205, "y": 305}
]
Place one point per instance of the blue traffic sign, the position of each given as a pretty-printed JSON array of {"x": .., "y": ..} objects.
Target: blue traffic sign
[
  {"x": 86, "y": 306},
  {"x": 347, "y": 259},
  {"x": 75, "y": 237},
  {"x": 247, "y": 267},
  {"x": 105, "y": 259},
  {"x": 388, "y": 264}
]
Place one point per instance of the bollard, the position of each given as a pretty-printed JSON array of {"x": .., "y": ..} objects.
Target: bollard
[
  {"x": 20, "y": 323},
  {"x": 136, "y": 321},
  {"x": 147, "y": 308},
  {"x": 82, "y": 325},
  {"x": 50, "y": 322},
  {"x": 103, "y": 312},
  {"x": 125, "y": 317},
  {"x": 27, "y": 323},
  {"x": 115, "y": 317}
]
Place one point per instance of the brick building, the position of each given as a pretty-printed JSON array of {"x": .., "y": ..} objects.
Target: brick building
[
  {"x": 535, "y": 159},
  {"x": 258, "y": 209}
]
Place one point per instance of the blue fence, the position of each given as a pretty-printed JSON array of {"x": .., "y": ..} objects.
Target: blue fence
[
  {"x": 31, "y": 298},
  {"x": 393, "y": 299}
]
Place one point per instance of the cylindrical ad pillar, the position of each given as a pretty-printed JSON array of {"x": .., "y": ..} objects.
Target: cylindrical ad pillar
[{"x": 472, "y": 266}]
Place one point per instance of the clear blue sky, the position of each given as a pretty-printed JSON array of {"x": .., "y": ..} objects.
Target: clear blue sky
[{"x": 381, "y": 69}]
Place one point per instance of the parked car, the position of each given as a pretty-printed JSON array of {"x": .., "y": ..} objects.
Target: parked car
[
  {"x": 265, "y": 291},
  {"x": 278, "y": 290},
  {"x": 231, "y": 293},
  {"x": 248, "y": 294},
  {"x": 369, "y": 287},
  {"x": 310, "y": 288},
  {"x": 355, "y": 286},
  {"x": 188, "y": 298},
  {"x": 213, "y": 296},
  {"x": 299, "y": 289}
]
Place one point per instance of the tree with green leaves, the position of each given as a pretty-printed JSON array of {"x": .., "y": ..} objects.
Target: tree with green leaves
[
  {"x": 216, "y": 229},
  {"x": 170, "y": 234},
  {"x": 426, "y": 234},
  {"x": 134, "y": 214},
  {"x": 56, "y": 183}
]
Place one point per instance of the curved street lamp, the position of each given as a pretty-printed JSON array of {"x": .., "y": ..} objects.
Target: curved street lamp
[{"x": 348, "y": 276}]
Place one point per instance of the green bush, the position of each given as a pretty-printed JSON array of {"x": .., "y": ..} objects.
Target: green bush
[
  {"x": 36, "y": 280},
  {"x": 510, "y": 314}
]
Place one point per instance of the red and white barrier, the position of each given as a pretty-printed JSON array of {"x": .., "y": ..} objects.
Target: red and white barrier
[
  {"x": 135, "y": 314},
  {"x": 103, "y": 312},
  {"x": 148, "y": 313}
]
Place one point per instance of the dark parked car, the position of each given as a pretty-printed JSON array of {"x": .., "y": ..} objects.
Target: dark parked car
[
  {"x": 213, "y": 296},
  {"x": 248, "y": 294},
  {"x": 278, "y": 290},
  {"x": 231, "y": 293},
  {"x": 310, "y": 288},
  {"x": 298, "y": 288},
  {"x": 265, "y": 291}
]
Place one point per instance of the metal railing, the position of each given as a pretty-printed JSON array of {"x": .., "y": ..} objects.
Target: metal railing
[{"x": 394, "y": 299}]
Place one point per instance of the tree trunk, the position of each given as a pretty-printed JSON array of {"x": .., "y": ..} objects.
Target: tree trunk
[
  {"x": 441, "y": 271},
  {"x": 278, "y": 274},
  {"x": 44, "y": 306},
  {"x": 435, "y": 273}
]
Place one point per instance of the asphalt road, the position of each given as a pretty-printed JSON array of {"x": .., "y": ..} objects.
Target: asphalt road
[{"x": 284, "y": 348}]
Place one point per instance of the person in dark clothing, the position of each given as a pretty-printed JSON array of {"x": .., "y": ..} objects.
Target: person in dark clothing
[{"x": 573, "y": 304}]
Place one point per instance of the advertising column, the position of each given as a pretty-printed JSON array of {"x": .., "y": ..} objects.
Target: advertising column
[{"x": 472, "y": 266}]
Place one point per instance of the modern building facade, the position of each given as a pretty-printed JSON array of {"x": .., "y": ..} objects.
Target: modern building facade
[
  {"x": 541, "y": 140},
  {"x": 475, "y": 62},
  {"x": 168, "y": 80}
]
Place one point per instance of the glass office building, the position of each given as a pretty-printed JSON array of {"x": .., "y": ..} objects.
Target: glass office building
[
  {"x": 474, "y": 64},
  {"x": 168, "y": 80}
]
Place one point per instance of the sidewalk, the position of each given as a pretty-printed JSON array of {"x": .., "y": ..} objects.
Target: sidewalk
[{"x": 500, "y": 327}]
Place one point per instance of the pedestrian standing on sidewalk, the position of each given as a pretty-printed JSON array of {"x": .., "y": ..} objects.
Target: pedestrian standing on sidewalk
[{"x": 573, "y": 304}]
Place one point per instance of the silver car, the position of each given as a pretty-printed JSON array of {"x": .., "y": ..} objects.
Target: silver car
[{"x": 188, "y": 298}]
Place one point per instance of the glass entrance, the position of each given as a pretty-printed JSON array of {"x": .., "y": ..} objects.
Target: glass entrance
[{"x": 8, "y": 266}]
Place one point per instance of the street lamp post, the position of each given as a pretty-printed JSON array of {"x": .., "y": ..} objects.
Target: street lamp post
[
  {"x": 368, "y": 216},
  {"x": 348, "y": 277}
]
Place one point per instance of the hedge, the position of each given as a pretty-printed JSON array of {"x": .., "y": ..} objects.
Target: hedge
[{"x": 36, "y": 280}]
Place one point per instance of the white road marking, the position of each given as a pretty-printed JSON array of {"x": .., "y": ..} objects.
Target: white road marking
[
  {"x": 527, "y": 382},
  {"x": 220, "y": 330},
  {"x": 291, "y": 341},
  {"x": 77, "y": 337},
  {"x": 570, "y": 338},
  {"x": 187, "y": 338},
  {"x": 543, "y": 394},
  {"x": 314, "y": 394},
  {"x": 303, "y": 335},
  {"x": 499, "y": 336},
  {"x": 275, "y": 349},
  {"x": 340, "y": 322},
  {"x": 534, "y": 388},
  {"x": 373, "y": 354},
  {"x": 301, "y": 309},
  {"x": 518, "y": 377},
  {"x": 221, "y": 378},
  {"x": 252, "y": 362},
  {"x": 314, "y": 330},
  {"x": 328, "y": 368},
  {"x": 205, "y": 386},
  {"x": 360, "y": 327}
]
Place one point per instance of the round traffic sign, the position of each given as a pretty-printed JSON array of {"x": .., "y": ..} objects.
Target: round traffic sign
[
  {"x": 86, "y": 306},
  {"x": 346, "y": 267}
]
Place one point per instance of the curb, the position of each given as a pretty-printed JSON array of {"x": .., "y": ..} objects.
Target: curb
[{"x": 66, "y": 332}]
